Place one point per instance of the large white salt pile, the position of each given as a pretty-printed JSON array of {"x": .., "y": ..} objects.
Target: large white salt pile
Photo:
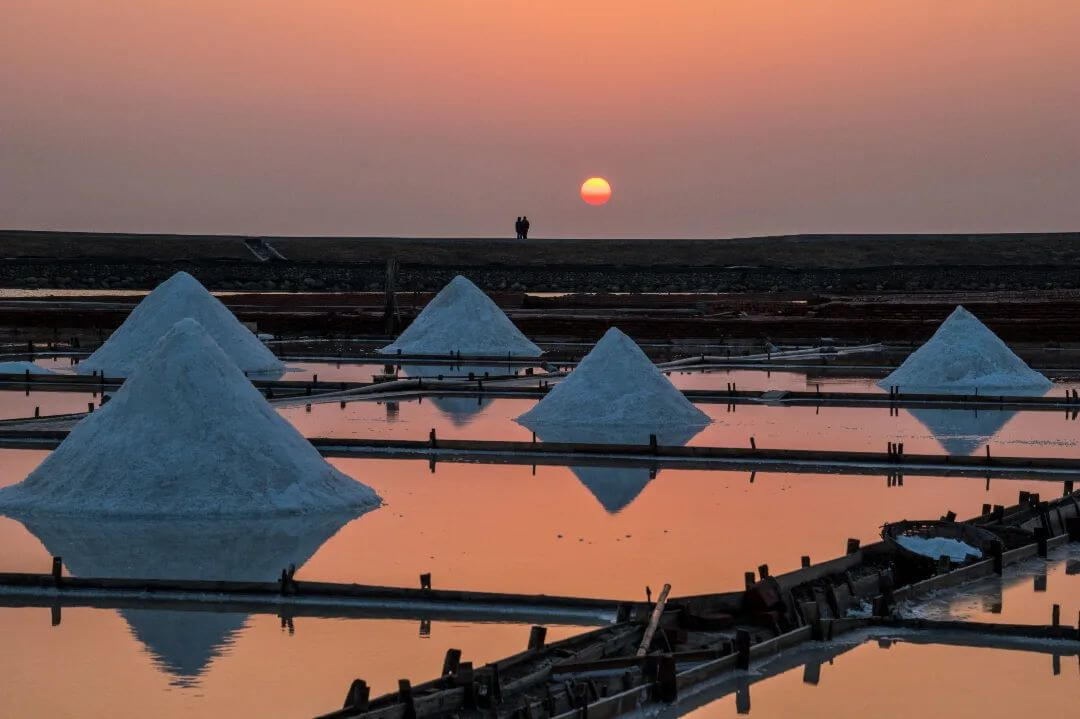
[
  {"x": 187, "y": 435},
  {"x": 174, "y": 299},
  {"x": 962, "y": 356},
  {"x": 22, "y": 367},
  {"x": 615, "y": 384},
  {"x": 461, "y": 318}
]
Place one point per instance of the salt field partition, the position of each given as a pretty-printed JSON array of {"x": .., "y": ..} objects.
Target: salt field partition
[
  {"x": 930, "y": 431},
  {"x": 504, "y": 528},
  {"x": 854, "y": 680},
  {"x": 265, "y": 666}
]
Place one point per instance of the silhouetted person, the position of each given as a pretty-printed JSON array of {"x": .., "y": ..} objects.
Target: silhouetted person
[
  {"x": 517, "y": 227},
  {"x": 524, "y": 228}
]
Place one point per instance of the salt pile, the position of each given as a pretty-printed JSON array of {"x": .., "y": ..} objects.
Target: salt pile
[
  {"x": 461, "y": 318},
  {"x": 187, "y": 435},
  {"x": 962, "y": 356},
  {"x": 615, "y": 384},
  {"x": 178, "y": 297},
  {"x": 23, "y": 367},
  {"x": 935, "y": 547}
]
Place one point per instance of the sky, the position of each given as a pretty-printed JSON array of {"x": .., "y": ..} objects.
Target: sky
[{"x": 710, "y": 118}]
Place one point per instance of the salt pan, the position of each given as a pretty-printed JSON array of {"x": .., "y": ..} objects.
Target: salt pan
[
  {"x": 461, "y": 318},
  {"x": 187, "y": 435},
  {"x": 615, "y": 384},
  {"x": 174, "y": 299},
  {"x": 962, "y": 356}
]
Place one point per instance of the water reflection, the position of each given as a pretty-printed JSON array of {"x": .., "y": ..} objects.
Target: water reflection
[
  {"x": 614, "y": 487},
  {"x": 1024, "y": 595},
  {"x": 183, "y": 643},
  {"x": 459, "y": 410},
  {"x": 962, "y": 432},
  {"x": 862, "y": 669}
]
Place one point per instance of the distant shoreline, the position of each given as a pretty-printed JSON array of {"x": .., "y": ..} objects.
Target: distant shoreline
[{"x": 803, "y": 263}]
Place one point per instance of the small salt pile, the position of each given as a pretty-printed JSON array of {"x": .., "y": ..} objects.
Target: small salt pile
[
  {"x": 615, "y": 384},
  {"x": 934, "y": 547},
  {"x": 22, "y": 367},
  {"x": 174, "y": 299},
  {"x": 461, "y": 318},
  {"x": 187, "y": 435},
  {"x": 964, "y": 356}
]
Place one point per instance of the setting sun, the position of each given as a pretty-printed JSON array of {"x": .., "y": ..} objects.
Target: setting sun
[{"x": 596, "y": 191}]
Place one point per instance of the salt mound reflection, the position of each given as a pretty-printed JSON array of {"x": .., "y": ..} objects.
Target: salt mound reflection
[{"x": 183, "y": 643}]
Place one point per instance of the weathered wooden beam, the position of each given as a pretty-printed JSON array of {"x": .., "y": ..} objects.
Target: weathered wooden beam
[{"x": 654, "y": 621}]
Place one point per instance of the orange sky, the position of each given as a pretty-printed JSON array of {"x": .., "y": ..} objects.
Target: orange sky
[{"x": 710, "y": 117}]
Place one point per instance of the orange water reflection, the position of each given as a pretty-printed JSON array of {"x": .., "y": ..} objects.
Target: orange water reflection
[
  {"x": 897, "y": 680},
  {"x": 1038, "y": 434},
  {"x": 261, "y": 669}
]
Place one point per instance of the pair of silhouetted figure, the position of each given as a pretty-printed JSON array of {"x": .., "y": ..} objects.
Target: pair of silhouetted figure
[{"x": 521, "y": 227}]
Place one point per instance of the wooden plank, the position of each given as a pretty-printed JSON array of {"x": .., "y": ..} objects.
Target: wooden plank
[{"x": 654, "y": 621}]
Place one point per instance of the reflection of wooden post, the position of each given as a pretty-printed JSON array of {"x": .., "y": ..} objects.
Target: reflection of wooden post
[{"x": 390, "y": 311}]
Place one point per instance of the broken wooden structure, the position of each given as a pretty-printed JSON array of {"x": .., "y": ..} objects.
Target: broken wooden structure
[{"x": 651, "y": 658}]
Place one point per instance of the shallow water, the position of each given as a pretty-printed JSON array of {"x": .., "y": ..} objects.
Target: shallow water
[
  {"x": 962, "y": 432},
  {"x": 897, "y": 679},
  {"x": 134, "y": 662},
  {"x": 1024, "y": 594},
  {"x": 591, "y": 531}
]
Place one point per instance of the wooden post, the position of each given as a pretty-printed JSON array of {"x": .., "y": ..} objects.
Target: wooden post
[
  {"x": 749, "y": 578},
  {"x": 753, "y": 444},
  {"x": 763, "y": 571},
  {"x": 495, "y": 695},
  {"x": 451, "y": 662},
  {"x": 652, "y": 444},
  {"x": 950, "y": 516},
  {"x": 89, "y": 407},
  {"x": 57, "y": 570},
  {"x": 654, "y": 621},
  {"x": 742, "y": 649},
  {"x": 943, "y": 564},
  {"x": 665, "y": 677},
  {"x": 37, "y": 412},
  {"x": 537, "y": 635},
  {"x": 852, "y": 546},
  {"x": 425, "y": 580},
  {"x": 357, "y": 697},
  {"x": 391, "y": 320},
  {"x": 464, "y": 679},
  {"x": 986, "y": 509},
  {"x": 405, "y": 696},
  {"x": 54, "y": 615},
  {"x": 1055, "y": 615},
  {"x": 1040, "y": 541},
  {"x": 805, "y": 561},
  {"x": 431, "y": 438}
]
